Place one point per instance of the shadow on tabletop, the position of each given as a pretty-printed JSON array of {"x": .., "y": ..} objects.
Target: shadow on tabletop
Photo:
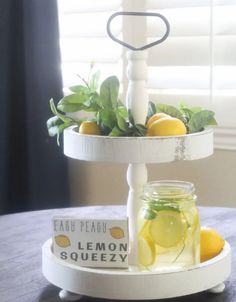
[{"x": 51, "y": 294}]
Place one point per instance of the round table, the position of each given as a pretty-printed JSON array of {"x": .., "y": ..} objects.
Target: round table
[{"x": 22, "y": 236}]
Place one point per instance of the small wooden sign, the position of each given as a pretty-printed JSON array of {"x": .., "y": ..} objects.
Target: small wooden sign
[{"x": 91, "y": 242}]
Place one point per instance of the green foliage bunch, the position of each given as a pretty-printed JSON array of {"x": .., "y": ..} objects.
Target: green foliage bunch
[
  {"x": 194, "y": 118},
  {"x": 110, "y": 113}
]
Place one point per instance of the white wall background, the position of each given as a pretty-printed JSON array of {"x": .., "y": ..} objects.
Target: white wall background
[
  {"x": 214, "y": 178},
  {"x": 197, "y": 64}
]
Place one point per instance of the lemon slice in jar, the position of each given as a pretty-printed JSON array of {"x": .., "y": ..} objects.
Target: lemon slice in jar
[
  {"x": 146, "y": 251},
  {"x": 168, "y": 228}
]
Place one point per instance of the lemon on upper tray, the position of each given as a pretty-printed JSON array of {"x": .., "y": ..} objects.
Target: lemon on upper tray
[
  {"x": 110, "y": 117},
  {"x": 166, "y": 126},
  {"x": 89, "y": 127}
]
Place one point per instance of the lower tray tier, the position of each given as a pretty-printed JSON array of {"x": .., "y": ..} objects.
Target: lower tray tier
[
  {"x": 132, "y": 284},
  {"x": 138, "y": 149}
]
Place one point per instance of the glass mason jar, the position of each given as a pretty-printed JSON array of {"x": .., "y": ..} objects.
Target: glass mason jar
[{"x": 169, "y": 226}]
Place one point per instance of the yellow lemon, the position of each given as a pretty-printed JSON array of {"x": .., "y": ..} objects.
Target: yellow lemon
[
  {"x": 62, "y": 240},
  {"x": 89, "y": 127},
  {"x": 117, "y": 232},
  {"x": 167, "y": 126},
  {"x": 211, "y": 243},
  {"x": 155, "y": 117},
  {"x": 168, "y": 228},
  {"x": 146, "y": 251}
]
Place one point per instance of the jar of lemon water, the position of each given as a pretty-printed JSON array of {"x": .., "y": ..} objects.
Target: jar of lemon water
[{"x": 169, "y": 226}]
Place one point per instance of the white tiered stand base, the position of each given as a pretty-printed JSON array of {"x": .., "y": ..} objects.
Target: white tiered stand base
[
  {"x": 78, "y": 281},
  {"x": 128, "y": 284}
]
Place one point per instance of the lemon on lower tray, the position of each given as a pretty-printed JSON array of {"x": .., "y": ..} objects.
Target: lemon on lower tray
[
  {"x": 168, "y": 228},
  {"x": 146, "y": 251},
  {"x": 211, "y": 243}
]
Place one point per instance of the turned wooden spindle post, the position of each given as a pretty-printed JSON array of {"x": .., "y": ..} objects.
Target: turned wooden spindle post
[{"x": 137, "y": 102}]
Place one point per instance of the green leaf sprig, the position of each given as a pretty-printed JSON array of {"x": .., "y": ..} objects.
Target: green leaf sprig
[
  {"x": 194, "y": 118},
  {"x": 110, "y": 113},
  {"x": 153, "y": 207},
  {"x": 59, "y": 122}
]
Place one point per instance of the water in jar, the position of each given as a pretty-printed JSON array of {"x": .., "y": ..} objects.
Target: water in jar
[{"x": 169, "y": 226}]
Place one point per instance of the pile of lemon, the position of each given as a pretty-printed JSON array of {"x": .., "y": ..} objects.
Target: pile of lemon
[{"x": 159, "y": 124}]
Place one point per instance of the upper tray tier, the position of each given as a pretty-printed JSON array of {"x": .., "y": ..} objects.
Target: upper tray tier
[{"x": 137, "y": 149}]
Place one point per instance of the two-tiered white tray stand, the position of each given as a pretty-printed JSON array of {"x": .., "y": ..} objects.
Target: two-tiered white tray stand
[{"x": 132, "y": 284}]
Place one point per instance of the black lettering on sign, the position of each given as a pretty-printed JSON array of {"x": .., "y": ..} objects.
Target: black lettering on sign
[
  {"x": 100, "y": 246},
  {"x": 64, "y": 255},
  {"x": 112, "y": 247},
  {"x": 103, "y": 257},
  {"x": 113, "y": 256},
  {"x": 123, "y": 257},
  {"x": 74, "y": 256},
  {"x": 80, "y": 246},
  {"x": 84, "y": 256},
  {"x": 89, "y": 246},
  {"x": 94, "y": 257},
  {"x": 123, "y": 247}
]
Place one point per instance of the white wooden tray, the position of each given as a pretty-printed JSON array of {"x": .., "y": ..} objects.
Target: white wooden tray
[
  {"x": 137, "y": 149},
  {"x": 135, "y": 285}
]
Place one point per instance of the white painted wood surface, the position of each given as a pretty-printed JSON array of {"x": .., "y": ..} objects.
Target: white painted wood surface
[
  {"x": 137, "y": 149},
  {"x": 137, "y": 102},
  {"x": 137, "y": 94},
  {"x": 136, "y": 178},
  {"x": 112, "y": 283}
]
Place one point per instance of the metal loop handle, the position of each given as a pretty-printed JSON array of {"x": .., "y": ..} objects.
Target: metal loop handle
[{"x": 138, "y": 14}]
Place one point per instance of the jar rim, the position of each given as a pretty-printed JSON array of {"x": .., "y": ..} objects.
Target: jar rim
[{"x": 153, "y": 186}]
